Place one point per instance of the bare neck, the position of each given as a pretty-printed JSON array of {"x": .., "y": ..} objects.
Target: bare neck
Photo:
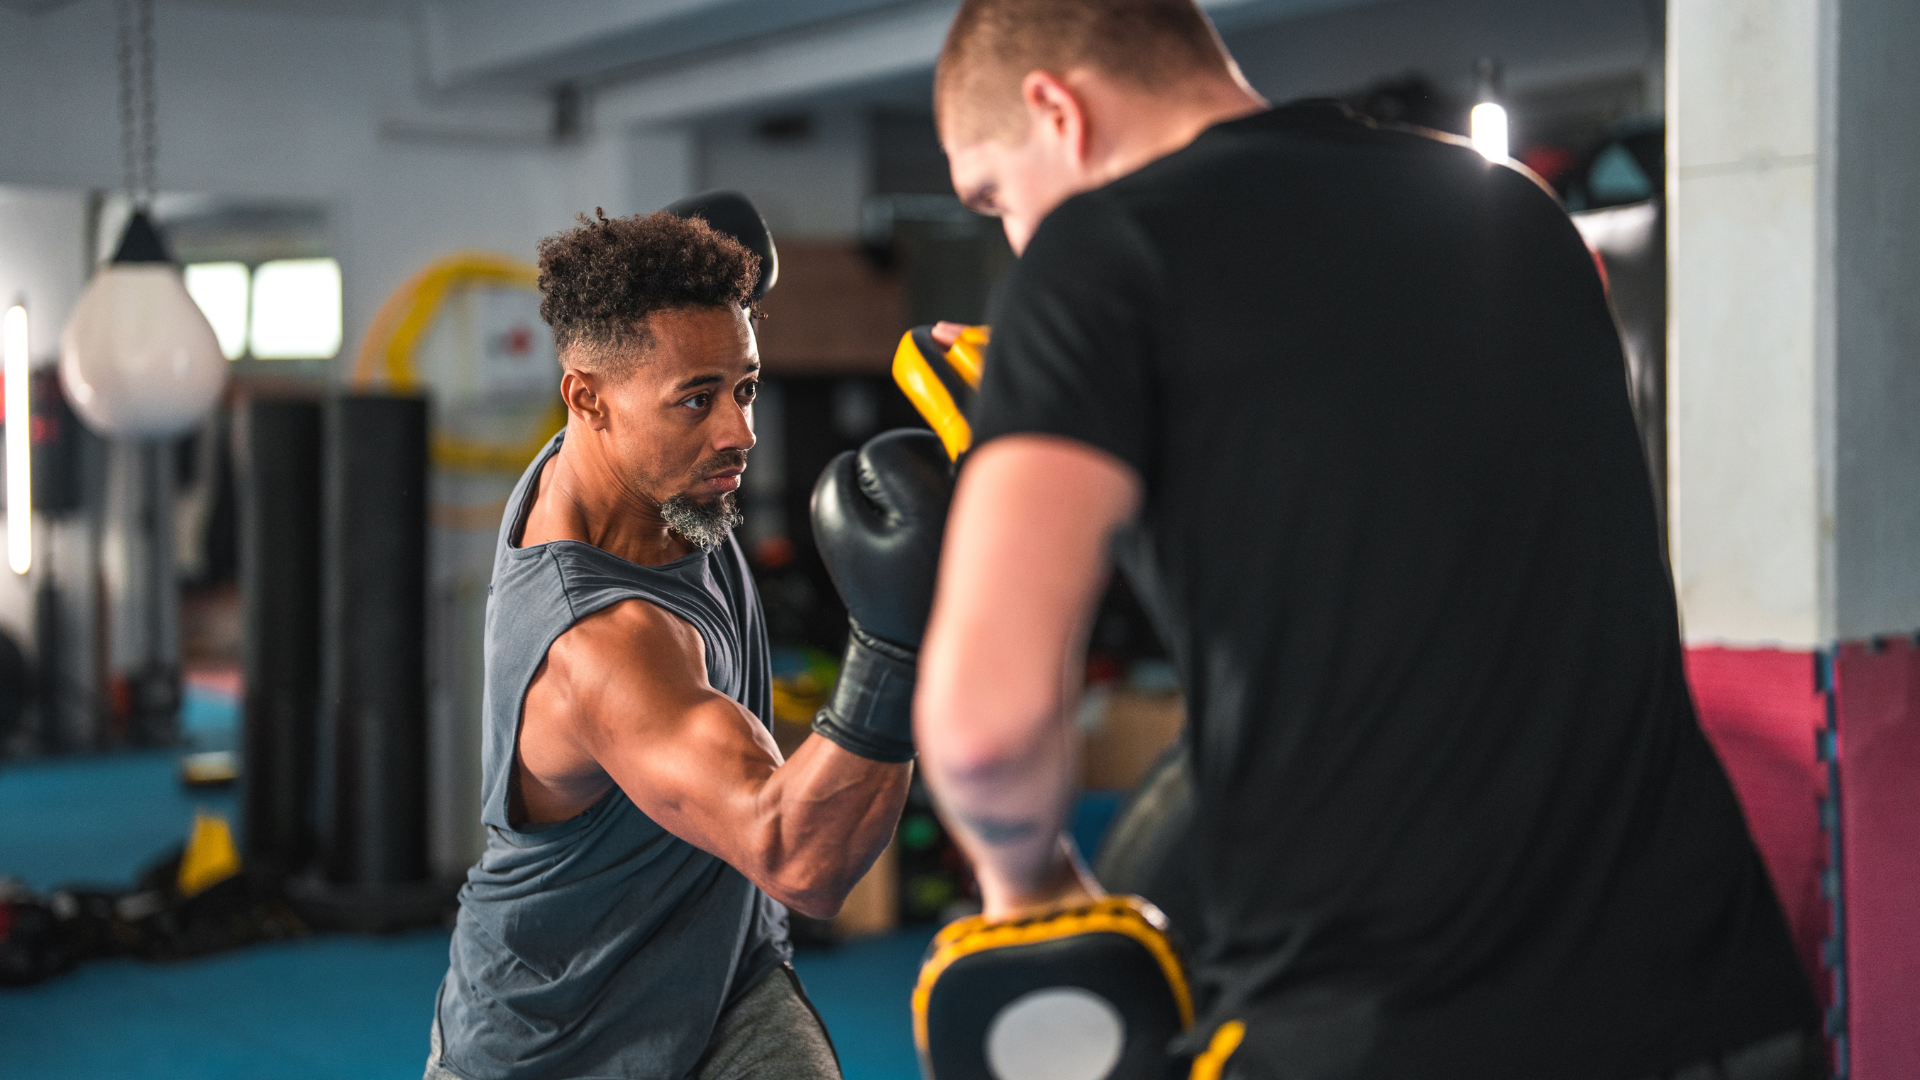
[
  {"x": 579, "y": 495},
  {"x": 1141, "y": 127}
]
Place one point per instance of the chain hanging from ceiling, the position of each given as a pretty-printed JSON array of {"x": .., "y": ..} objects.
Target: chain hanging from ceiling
[{"x": 139, "y": 134}]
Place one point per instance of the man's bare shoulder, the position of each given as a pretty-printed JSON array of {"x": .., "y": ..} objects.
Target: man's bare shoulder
[
  {"x": 630, "y": 639},
  {"x": 624, "y": 670}
]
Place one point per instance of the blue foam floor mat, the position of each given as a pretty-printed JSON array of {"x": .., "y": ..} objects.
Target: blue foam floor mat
[
  {"x": 98, "y": 819},
  {"x": 357, "y": 1008},
  {"x": 318, "y": 1009},
  {"x": 335, "y": 1007}
]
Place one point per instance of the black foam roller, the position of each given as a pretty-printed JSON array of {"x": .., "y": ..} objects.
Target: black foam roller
[
  {"x": 373, "y": 720},
  {"x": 280, "y": 594}
]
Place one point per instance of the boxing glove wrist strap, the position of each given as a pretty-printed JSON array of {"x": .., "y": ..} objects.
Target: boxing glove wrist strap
[{"x": 871, "y": 710}]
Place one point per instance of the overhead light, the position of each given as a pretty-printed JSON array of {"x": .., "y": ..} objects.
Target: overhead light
[
  {"x": 1489, "y": 128},
  {"x": 19, "y": 420},
  {"x": 1487, "y": 125},
  {"x": 138, "y": 357}
]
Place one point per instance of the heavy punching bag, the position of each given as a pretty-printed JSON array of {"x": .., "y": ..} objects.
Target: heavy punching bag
[
  {"x": 280, "y": 532},
  {"x": 373, "y": 736},
  {"x": 1149, "y": 850}
]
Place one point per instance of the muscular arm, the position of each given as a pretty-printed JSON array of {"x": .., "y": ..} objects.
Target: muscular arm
[
  {"x": 624, "y": 697},
  {"x": 1024, "y": 562}
]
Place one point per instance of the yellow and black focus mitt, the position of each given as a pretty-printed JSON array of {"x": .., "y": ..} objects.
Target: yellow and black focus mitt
[
  {"x": 942, "y": 382},
  {"x": 1093, "y": 992}
]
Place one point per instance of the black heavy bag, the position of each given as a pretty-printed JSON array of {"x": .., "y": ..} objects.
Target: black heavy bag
[
  {"x": 373, "y": 715},
  {"x": 1149, "y": 849},
  {"x": 280, "y": 530}
]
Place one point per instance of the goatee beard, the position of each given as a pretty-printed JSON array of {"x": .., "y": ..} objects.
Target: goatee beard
[{"x": 705, "y": 525}]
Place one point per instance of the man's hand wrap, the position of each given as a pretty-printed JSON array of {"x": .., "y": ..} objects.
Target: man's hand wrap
[
  {"x": 878, "y": 516},
  {"x": 871, "y": 710}
]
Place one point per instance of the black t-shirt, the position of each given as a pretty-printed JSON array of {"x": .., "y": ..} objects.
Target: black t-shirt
[{"x": 1457, "y": 816}]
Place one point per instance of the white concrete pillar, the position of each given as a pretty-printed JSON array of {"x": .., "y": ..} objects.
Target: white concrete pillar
[
  {"x": 1794, "y": 178},
  {"x": 1794, "y": 469}
]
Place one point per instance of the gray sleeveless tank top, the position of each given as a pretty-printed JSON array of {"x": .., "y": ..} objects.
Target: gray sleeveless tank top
[{"x": 603, "y": 945}]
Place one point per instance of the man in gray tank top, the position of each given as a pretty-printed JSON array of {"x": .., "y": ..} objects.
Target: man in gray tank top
[{"x": 641, "y": 822}]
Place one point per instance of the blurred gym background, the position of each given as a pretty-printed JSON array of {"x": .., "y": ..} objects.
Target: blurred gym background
[{"x": 229, "y": 831}]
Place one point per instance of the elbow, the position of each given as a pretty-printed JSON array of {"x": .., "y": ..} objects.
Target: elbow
[
  {"x": 811, "y": 877},
  {"x": 816, "y": 907},
  {"x": 812, "y": 848},
  {"x": 966, "y": 741},
  {"x": 811, "y": 891}
]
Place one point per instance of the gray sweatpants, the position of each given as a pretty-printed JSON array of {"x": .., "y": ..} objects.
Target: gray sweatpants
[{"x": 771, "y": 1033}]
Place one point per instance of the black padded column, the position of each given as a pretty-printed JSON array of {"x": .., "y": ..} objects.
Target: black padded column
[
  {"x": 279, "y": 478},
  {"x": 373, "y": 715}
]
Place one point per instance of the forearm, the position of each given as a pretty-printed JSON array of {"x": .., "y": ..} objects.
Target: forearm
[
  {"x": 826, "y": 815},
  {"x": 1009, "y": 807},
  {"x": 803, "y": 830},
  {"x": 1021, "y": 573}
]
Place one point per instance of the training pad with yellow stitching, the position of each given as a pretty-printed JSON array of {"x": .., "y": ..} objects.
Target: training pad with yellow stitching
[
  {"x": 1094, "y": 992},
  {"x": 942, "y": 381}
]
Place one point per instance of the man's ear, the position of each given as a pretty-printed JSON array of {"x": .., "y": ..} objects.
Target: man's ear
[
  {"x": 1055, "y": 110},
  {"x": 581, "y": 392}
]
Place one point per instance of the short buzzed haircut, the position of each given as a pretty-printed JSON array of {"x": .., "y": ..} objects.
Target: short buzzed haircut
[
  {"x": 600, "y": 281},
  {"x": 993, "y": 44}
]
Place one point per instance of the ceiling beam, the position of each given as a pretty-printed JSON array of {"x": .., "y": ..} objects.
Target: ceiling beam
[
  {"x": 792, "y": 66},
  {"x": 509, "y": 43},
  {"x": 823, "y": 58},
  {"x": 601, "y": 43}
]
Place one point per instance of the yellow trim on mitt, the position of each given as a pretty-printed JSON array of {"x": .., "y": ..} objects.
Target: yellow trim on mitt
[
  {"x": 1126, "y": 915},
  {"x": 929, "y": 395},
  {"x": 1226, "y": 1039},
  {"x": 969, "y": 353}
]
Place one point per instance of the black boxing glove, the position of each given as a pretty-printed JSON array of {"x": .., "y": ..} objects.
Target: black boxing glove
[
  {"x": 878, "y": 516},
  {"x": 730, "y": 213}
]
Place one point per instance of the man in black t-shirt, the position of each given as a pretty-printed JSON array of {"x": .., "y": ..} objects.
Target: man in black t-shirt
[{"x": 1347, "y": 406}]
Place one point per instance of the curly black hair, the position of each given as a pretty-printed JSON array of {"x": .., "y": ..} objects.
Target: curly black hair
[{"x": 600, "y": 281}]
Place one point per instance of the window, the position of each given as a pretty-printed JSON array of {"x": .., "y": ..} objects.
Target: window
[
  {"x": 296, "y": 310},
  {"x": 221, "y": 291},
  {"x": 287, "y": 309}
]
